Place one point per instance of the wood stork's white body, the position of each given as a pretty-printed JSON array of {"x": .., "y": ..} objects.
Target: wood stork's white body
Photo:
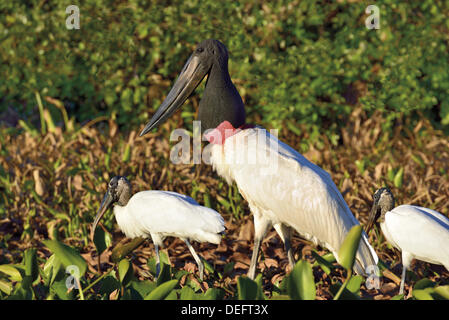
[
  {"x": 162, "y": 214},
  {"x": 419, "y": 233},
  {"x": 287, "y": 191}
]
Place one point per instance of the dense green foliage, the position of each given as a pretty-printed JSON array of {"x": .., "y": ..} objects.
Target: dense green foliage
[{"x": 303, "y": 60}]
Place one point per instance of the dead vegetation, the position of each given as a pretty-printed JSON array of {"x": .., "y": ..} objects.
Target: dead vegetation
[{"x": 51, "y": 186}]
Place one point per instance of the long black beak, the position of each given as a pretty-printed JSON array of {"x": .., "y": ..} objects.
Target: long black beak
[
  {"x": 373, "y": 216},
  {"x": 190, "y": 77},
  {"x": 105, "y": 204}
]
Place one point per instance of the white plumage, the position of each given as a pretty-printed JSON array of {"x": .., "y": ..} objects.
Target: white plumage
[
  {"x": 285, "y": 190},
  {"x": 161, "y": 214},
  {"x": 419, "y": 233}
]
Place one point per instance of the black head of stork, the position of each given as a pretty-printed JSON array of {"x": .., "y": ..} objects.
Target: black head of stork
[
  {"x": 383, "y": 201},
  {"x": 220, "y": 102}
]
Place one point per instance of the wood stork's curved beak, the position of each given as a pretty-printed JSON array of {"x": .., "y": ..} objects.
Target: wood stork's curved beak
[
  {"x": 108, "y": 200},
  {"x": 373, "y": 216},
  {"x": 190, "y": 77}
]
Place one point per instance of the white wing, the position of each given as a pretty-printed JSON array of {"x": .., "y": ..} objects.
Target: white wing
[
  {"x": 422, "y": 232},
  {"x": 274, "y": 177},
  {"x": 170, "y": 214}
]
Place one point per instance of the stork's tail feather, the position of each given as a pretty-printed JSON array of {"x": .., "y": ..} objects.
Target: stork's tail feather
[{"x": 366, "y": 258}]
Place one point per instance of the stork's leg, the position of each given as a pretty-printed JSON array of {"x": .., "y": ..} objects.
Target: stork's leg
[
  {"x": 285, "y": 233},
  {"x": 406, "y": 261},
  {"x": 261, "y": 226},
  {"x": 196, "y": 257},
  {"x": 158, "y": 261},
  {"x": 404, "y": 271}
]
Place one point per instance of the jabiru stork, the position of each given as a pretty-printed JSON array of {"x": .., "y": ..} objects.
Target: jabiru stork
[
  {"x": 419, "y": 233},
  {"x": 159, "y": 214},
  {"x": 298, "y": 195}
]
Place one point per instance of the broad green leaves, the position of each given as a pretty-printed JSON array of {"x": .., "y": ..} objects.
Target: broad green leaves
[
  {"x": 248, "y": 289},
  {"x": 102, "y": 240},
  {"x": 348, "y": 249},
  {"x": 67, "y": 255},
  {"x": 301, "y": 284},
  {"x": 162, "y": 291}
]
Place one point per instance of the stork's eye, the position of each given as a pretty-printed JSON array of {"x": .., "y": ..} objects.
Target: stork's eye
[{"x": 199, "y": 50}]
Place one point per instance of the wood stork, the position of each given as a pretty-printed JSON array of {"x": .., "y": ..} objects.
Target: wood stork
[
  {"x": 161, "y": 214},
  {"x": 296, "y": 195},
  {"x": 420, "y": 233}
]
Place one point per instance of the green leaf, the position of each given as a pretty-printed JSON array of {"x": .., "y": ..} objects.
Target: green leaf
[
  {"x": 172, "y": 296},
  {"x": 354, "y": 284},
  {"x": 125, "y": 272},
  {"x": 5, "y": 286},
  {"x": 31, "y": 268},
  {"x": 67, "y": 255},
  {"x": 398, "y": 297},
  {"x": 165, "y": 274},
  {"x": 280, "y": 297},
  {"x": 24, "y": 290},
  {"x": 424, "y": 284},
  {"x": 187, "y": 293},
  {"x": 108, "y": 285},
  {"x": 422, "y": 294},
  {"x": 102, "y": 240},
  {"x": 323, "y": 263},
  {"x": 345, "y": 295},
  {"x": 11, "y": 272},
  {"x": 398, "y": 178},
  {"x": 119, "y": 252},
  {"x": 247, "y": 289},
  {"x": 213, "y": 294},
  {"x": 51, "y": 269},
  {"x": 442, "y": 291},
  {"x": 162, "y": 291},
  {"x": 143, "y": 288},
  {"x": 60, "y": 288},
  {"x": 301, "y": 283},
  {"x": 348, "y": 249}
]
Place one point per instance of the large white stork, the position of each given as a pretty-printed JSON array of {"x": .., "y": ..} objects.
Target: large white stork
[
  {"x": 282, "y": 187},
  {"x": 420, "y": 233}
]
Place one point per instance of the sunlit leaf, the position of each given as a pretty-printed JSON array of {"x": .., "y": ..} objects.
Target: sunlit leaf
[
  {"x": 31, "y": 268},
  {"x": 301, "y": 283},
  {"x": 102, "y": 240},
  {"x": 162, "y": 291},
  {"x": 348, "y": 249},
  {"x": 11, "y": 272},
  {"x": 67, "y": 255},
  {"x": 422, "y": 294},
  {"x": 5, "y": 286},
  {"x": 247, "y": 289},
  {"x": 125, "y": 271}
]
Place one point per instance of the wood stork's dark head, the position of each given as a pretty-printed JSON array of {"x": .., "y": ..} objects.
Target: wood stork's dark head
[
  {"x": 119, "y": 191},
  {"x": 221, "y": 100},
  {"x": 383, "y": 201}
]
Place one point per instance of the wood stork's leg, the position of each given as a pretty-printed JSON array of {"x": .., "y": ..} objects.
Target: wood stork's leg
[
  {"x": 158, "y": 261},
  {"x": 261, "y": 226},
  {"x": 196, "y": 257},
  {"x": 406, "y": 261},
  {"x": 285, "y": 233}
]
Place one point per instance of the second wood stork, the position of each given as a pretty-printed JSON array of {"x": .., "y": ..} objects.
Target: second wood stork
[
  {"x": 419, "y": 233},
  {"x": 161, "y": 214},
  {"x": 288, "y": 192}
]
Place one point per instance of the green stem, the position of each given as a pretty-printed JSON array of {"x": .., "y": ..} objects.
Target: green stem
[
  {"x": 95, "y": 282},
  {"x": 80, "y": 289},
  {"x": 41, "y": 111},
  {"x": 348, "y": 277}
]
